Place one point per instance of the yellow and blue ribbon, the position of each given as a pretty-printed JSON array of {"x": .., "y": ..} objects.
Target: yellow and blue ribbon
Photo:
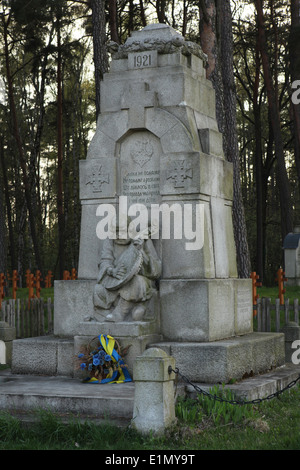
[{"x": 119, "y": 375}]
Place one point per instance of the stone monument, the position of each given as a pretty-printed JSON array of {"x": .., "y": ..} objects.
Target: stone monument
[
  {"x": 291, "y": 247},
  {"x": 157, "y": 148}
]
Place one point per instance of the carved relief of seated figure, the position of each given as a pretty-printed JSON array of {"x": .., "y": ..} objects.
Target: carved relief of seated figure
[{"x": 127, "y": 271}]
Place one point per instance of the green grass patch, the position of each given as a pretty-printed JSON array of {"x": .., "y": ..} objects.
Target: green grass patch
[
  {"x": 219, "y": 411},
  {"x": 23, "y": 294},
  {"x": 292, "y": 292}
]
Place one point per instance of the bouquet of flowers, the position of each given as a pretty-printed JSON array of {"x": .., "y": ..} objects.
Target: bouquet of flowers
[{"x": 104, "y": 361}]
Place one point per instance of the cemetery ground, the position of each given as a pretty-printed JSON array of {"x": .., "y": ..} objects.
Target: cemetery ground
[{"x": 202, "y": 424}]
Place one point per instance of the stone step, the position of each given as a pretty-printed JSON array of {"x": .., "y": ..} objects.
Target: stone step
[
  {"x": 24, "y": 394},
  {"x": 44, "y": 355},
  {"x": 226, "y": 360},
  {"x": 52, "y": 355},
  {"x": 207, "y": 362},
  {"x": 254, "y": 388}
]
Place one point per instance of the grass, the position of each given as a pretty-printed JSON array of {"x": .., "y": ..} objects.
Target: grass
[
  {"x": 23, "y": 293},
  {"x": 201, "y": 425},
  {"x": 292, "y": 292}
]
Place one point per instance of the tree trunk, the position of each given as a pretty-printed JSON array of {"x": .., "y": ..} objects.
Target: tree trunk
[
  {"x": 217, "y": 43},
  {"x": 60, "y": 206},
  {"x": 99, "y": 41},
  {"x": 294, "y": 50},
  {"x": 281, "y": 173},
  {"x": 8, "y": 208},
  {"x": 130, "y": 17},
  {"x": 19, "y": 144},
  {"x": 231, "y": 148},
  {"x": 3, "y": 257},
  {"x": 142, "y": 14},
  {"x": 161, "y": 11},
  {"x": 258, "y": 162},
  {"x": 113, "y": 21},
  {"x": 209, "y": 45},
  {"x": 184, "y": 19}
]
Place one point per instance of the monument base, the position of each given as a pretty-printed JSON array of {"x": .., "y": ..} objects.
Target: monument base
[
  {"x": 53, "y": 355},
  {"x": 205, "y": 309},
  {"x": 208, "y": 362},
  {"x": 136, "y": 336},
  {"x": 217, "y": 309},
  {"x": 215, "y": 344},
  {"x": 75, "y": 313},
  {"x": 229, "y": 359}
]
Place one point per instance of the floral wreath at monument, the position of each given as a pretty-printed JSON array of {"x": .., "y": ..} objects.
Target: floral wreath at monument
[{"x": 104, "y": 361}]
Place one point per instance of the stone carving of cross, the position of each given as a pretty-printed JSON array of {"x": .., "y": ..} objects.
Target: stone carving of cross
[
  {"x": 96, "y": 178},
  {"x": 136, "y": 98},
  {"x": 181, "y": 171}
]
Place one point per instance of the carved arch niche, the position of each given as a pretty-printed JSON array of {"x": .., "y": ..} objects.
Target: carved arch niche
[{"x": 139, "y": 155}]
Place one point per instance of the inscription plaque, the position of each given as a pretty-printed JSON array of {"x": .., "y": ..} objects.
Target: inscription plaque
[
  {"x": 244, "y": 305},
  {"x": 141, "y": 60},
  {"x": 140, "y": 175}
]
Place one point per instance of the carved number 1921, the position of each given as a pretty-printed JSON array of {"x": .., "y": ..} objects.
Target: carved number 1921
[{"x": 142, "y": 60}]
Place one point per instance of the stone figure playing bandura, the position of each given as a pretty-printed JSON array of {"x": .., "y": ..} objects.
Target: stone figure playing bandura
[{"x": 127, "y": 271}]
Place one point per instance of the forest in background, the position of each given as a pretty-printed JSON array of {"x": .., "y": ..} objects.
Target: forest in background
[{"x": 53, "y": 54}]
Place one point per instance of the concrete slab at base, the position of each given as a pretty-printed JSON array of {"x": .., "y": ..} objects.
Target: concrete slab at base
[
  {"x": 43, "y": 355},
  {"x": 24, "y": 394},
  {"x": 257, "y": 387},
  {"x": 52, "y": 355},
  {"x": 225, "y": 360},
  {"x": 28, "y": 393}
]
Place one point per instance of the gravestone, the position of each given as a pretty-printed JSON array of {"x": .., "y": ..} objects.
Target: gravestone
[
  {"x": 7, "y": 336},
  {"x": 157, "y": 145},
  {"x": 2, "y": 352},
  {"x": 291, "y": 246}
]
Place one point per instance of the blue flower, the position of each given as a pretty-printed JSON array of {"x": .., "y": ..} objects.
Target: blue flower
[
  {"x": 90, "y": 367},
  {"x": 96, "y": 361},
  {"x": 107, "y": 358},
  {"x": 80, "y": 355},
  {"x": 101, "y": 353},
  {"x": 83, "y": 365}
]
